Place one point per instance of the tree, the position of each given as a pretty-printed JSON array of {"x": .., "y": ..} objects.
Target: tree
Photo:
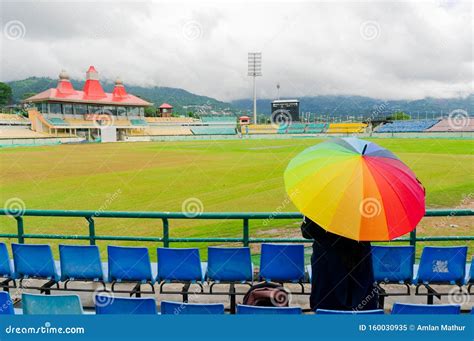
[
  {"x": 150, "y": 111},
  {"x": 5, "y": 94},
  {"x": 27, "y": 95},
  {"x": 399, "y": 116}
]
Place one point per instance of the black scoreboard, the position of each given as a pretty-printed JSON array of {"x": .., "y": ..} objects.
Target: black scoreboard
[{"x": 286, "y": 110}]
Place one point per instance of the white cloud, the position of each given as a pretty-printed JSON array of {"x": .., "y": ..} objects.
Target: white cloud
[{"x": 389, "y": 50}]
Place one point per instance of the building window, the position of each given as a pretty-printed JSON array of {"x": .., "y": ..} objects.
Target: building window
[
  {"x": 67, "y": 109},
  {"x": 132, "y": 111},
  {"x": 121, "y": 111},
  {"x": 55, "y": 108},
  {"x": 80, "y": 109},
  {"x": 110, "y": 110},
  {"x": 94, "y": 109}
]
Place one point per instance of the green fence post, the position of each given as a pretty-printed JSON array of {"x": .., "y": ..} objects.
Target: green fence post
[
  {"x": 91, "y": 230},
  {"x": 20, "y": 231},
  {"x": 246, "y": 232},
  {"x": 166, "y": 233}
]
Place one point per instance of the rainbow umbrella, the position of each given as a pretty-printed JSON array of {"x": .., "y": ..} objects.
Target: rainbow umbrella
[{"x": 356, "y": 189}]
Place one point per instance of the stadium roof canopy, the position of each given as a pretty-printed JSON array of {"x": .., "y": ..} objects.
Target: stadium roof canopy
[{"x": 93, "y": 93}]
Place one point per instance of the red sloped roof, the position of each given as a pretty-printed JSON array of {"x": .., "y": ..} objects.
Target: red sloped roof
[
  {"x": 166, "y": 106},
  {"x": 80, "y": 97}
]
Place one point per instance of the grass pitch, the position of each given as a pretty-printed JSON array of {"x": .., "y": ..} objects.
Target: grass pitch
[{"x": 232, "y": 175}]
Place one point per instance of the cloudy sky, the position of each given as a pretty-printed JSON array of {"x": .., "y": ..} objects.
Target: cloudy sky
[{"x": 387, "y": 50}]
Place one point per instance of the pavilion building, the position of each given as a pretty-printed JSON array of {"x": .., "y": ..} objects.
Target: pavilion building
[{"x": 91, "y": 113}]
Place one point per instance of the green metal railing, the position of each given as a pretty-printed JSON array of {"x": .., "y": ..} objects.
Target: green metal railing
[{"x": 165, "y": 218}]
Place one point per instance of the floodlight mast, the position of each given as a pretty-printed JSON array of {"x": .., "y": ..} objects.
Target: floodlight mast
[{"x": 255, "y": 70}]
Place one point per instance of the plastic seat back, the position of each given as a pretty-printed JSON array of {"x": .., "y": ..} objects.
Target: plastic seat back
[
  {"x": 427, "y": 309},
  {"x": 349, "y": 312},
  {"x": 393, "y": 264},
  {"x": 282, "y": 262},
  {"x": 229, "y": 264},
  {"x": 105, "y": 304},
  {"x": 471, "y": 272},
  {"x": 179, "y": 265},
  {"x": 177, "y": 308},
  {"x": 5, "y": 267},
  {"x": 51, "y": 305},
  {"x": 6, "y": 304},
  {"x": 33, "y": 260},
  {"x": 80, "y": 262},
  {"x": 129, "y": 264},
  {"x": 255, "y": 310},
  {"x": 442, "y": 265}
]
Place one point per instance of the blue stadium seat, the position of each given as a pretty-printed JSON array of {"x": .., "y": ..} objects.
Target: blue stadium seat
[
  {"x": 80, "y": 263},
  {"x": 5, "y": 268},
  {"x": 6, "y": 304},
  {"x": 406, "y": 126},
  {"x": 229, "y": 264},
  {"x": 35, "y": 261},
  {"x": 349, "y": 312},
  {"x": 254, "y": 310},
  {"x": 51, "y": 305},
  {"x": 282, "y": 263},
  {"x": 441, "y": 265},
  {"x": 106, "y": 304},
  {"x": 425, "y": 309},
  {"x": 179, "y": 265},
  {"x": 130, "y": 264},
  {"x": 392, "y": 265},
  {"x": 470, "y": 280},
  {"x": 177, "y": 308}
]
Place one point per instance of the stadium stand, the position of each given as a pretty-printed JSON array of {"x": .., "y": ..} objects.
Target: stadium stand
[
  {"x": 316, "y": 128},
  {"x": 219, "y": 119},
  {"x": 13, "y": 119},
  {"x": 15, "y": 132},
  {"x": 56, "y": 121},
  {"x": 349, "y": 312},
  {"x": 296, "y": 128},
  {"x": 346, "y": 128},
  {"x": 105, "y": 304},
  {"x": 156, "y": 120},
  {"x": 208, "y": 130},
  {"x": 408, "y": 126},
  {"x": 451, "y": 125},
  {"x": 255, "y": 310},
  {"x": 51, "y": 305},
  {"x": 165, "y": 131},
  {"x": 138, "y": 122},
  {"x": 425, "y": 309},
  {"x": 260, "y": 129}
]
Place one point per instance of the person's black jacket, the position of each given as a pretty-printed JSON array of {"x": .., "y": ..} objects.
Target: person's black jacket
[{"x": 342, "y": 274}]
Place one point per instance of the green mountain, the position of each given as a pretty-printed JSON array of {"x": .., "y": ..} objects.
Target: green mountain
[{"x": 179, "y": 98}]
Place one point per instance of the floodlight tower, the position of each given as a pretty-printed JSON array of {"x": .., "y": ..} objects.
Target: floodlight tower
[
  {"x": 278, "y": 90},
  {"x": 255, "y": 70}
]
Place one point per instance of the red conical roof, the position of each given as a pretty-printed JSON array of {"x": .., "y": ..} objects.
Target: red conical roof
[
  {"x": 92, "y": 88},
  {"x": 166, "y": 106},
  {"x": 119, "y": 90}
]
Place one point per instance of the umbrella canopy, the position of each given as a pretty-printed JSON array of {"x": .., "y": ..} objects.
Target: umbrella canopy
[{"x": 356, "y": 189}]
